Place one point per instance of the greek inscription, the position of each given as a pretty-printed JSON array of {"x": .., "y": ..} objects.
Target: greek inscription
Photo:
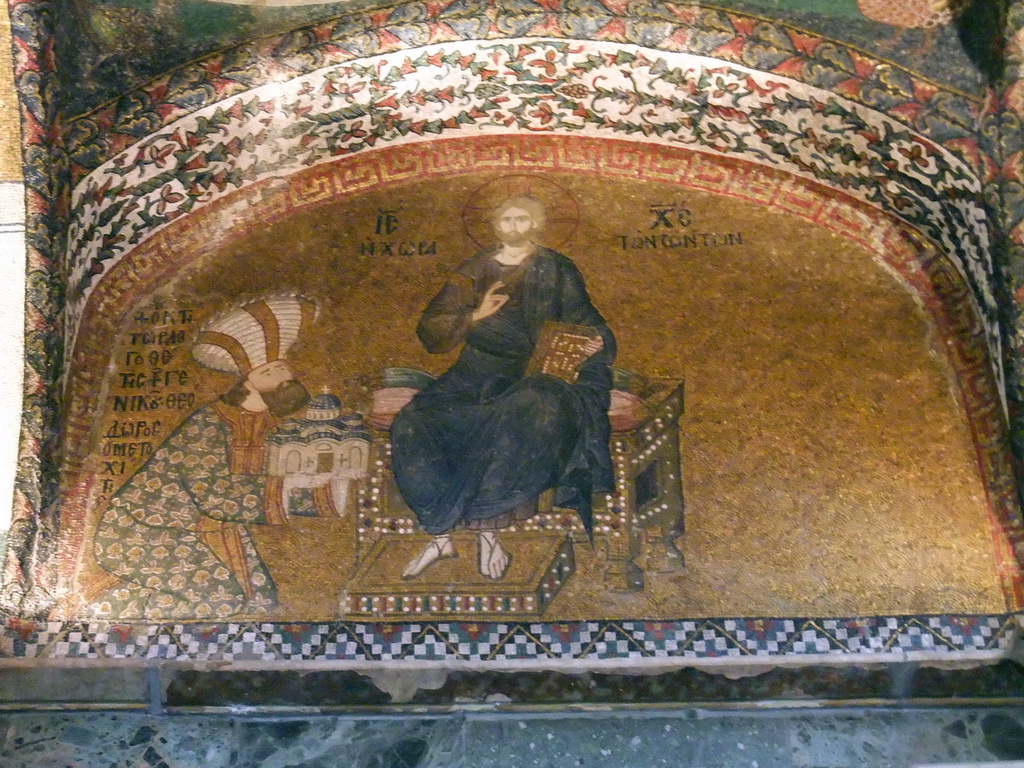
[
  {"x": 142, "y": 428},
  {"x": 381, "y": 243},
  {"x": 136, "y": 403},
  {"x": 398, "y": 248},
  {"x": 128, "y": 450},
  {"x": 667, "y": 241},
  {"x": 161, "y": 338},
  {"x": 146, "y": 380},
  {"x": 670, "y": 216},
  {"x": 387, "y": 222},
  {"x": 163, "y": 317},
  {"x": 112, "y": 468}
]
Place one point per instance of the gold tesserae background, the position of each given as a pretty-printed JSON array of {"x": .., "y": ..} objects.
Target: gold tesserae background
[{"x": 827, "y": 464}]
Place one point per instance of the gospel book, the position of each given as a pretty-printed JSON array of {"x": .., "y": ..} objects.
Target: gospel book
[{"x": 561, "y": 349}]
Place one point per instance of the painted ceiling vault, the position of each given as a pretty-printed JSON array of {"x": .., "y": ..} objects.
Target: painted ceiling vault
[
  {"x": 551, "y": 332},
  {"x": 105, "y": 48}
]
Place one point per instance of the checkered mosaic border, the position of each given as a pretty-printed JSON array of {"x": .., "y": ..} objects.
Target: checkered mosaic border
[{"x": 688, "y": 639}]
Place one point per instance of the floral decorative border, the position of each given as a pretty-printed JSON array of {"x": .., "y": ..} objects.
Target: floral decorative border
[
  {"x": 527, "y": 86},
  {"x": 28, "y": 572},
  {"x": 746, "y": 39},
  {"x": 1001, "y": 133},
  {"x": 740, "y": 640}
]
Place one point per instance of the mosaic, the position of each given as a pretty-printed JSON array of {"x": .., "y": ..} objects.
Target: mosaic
[
  {"x": 207, "y": 494},
  {"x": 945, "y": 113},
  {"x": 108, "y": 48},
  {"x": 384, "y": 345},
  {"x": 29, "y": 587},
  {"x": 10, "y": 128},
  {"x": 905, "y": 637},
  {"x": 558, "y": 88}
]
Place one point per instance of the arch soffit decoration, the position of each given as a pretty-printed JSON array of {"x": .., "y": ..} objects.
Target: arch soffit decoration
[{"x": 940, "y": 111}]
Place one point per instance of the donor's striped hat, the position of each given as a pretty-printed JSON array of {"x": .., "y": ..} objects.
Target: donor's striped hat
[{"x": 254, "y": 333}]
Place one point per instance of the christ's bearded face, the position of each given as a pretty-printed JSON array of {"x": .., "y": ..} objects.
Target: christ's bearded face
[{"x": 515, "y": 226}]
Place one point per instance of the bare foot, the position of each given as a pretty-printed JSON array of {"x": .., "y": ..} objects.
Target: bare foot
[
  {"x": 494, "y": 560},
  {"x": 439, "y": 548}
]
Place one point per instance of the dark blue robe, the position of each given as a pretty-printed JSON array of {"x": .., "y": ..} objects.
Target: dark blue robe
[{"x": 484, "y": 438}]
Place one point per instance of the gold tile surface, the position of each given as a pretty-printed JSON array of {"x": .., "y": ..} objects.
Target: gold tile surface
[
  {"x": 10, "y": 121},
  {"x": 827, "y": 465}
]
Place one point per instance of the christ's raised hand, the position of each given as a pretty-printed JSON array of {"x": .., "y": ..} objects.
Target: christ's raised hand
[{"x": 491, "y": 302}]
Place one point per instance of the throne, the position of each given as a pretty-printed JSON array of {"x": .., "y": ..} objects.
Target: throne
[{"x": 635, "y": 528}]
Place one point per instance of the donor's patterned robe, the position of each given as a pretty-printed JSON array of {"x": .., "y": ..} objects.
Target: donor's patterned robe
[{"x": 175, "y": 534}]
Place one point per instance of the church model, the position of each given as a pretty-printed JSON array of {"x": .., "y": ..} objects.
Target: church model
[{"x": 323, "y": 441}]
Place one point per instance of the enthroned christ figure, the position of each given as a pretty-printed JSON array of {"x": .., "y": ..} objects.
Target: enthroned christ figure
[{"x": 477, "y": 447}]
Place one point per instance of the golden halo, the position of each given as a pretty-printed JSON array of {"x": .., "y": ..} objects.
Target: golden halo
[{"x": 563, "y": 212}]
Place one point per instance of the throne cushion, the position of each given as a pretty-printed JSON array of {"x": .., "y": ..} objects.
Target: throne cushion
[
  {"x": 387, "y": 403},
  {"x": 627, "y": 410}
]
